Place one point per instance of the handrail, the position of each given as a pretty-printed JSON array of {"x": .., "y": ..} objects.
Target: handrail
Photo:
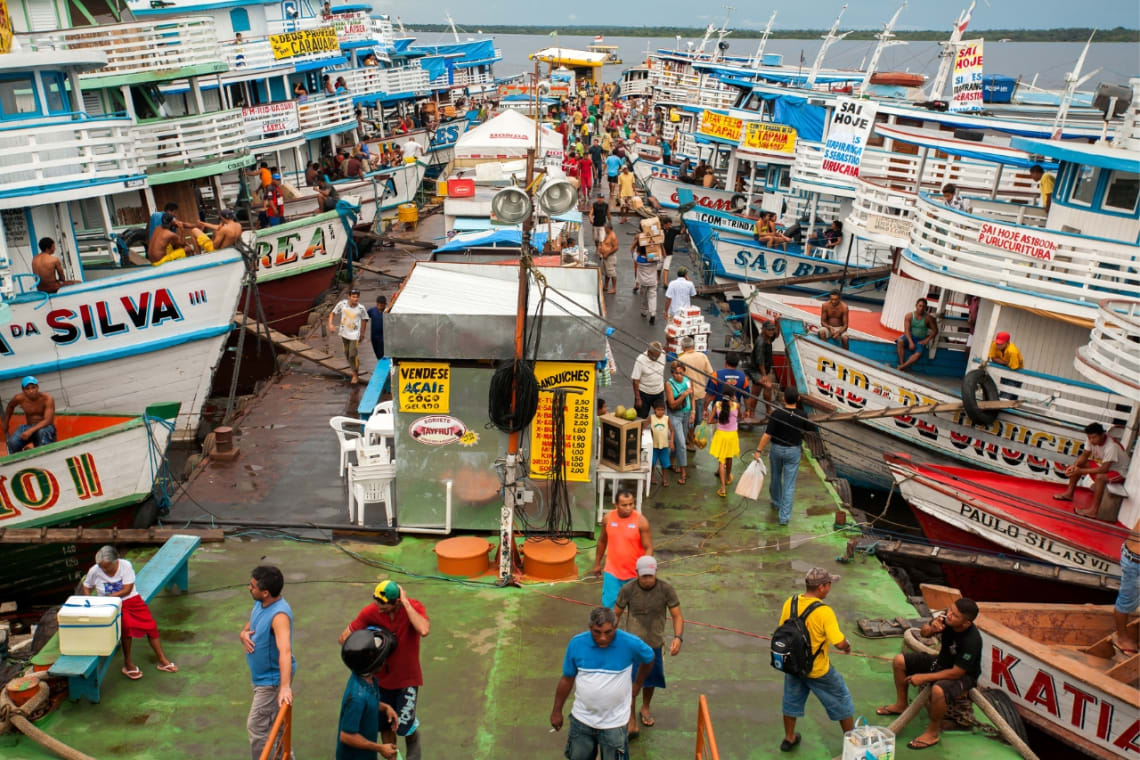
[
  {"x": 283, "y": 730},
  {"x": 1113, "y": 349},
  {"x": 706, "y": 739}
]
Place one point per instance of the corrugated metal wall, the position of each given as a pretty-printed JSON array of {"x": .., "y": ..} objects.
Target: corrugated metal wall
[{"x": 1047, "y": 345}]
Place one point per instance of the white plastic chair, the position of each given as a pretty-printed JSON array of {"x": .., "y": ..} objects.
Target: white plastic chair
[
  {"x": 370, "y": 484},
  {"x": 348, "y": 430},
  {"x": 384, "y": 407}
]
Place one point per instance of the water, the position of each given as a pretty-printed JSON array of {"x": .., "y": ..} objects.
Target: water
[{"x": 1050, "y": 60}]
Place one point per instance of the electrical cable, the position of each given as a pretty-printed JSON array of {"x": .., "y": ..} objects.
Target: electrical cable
[
  {"x": 559, "y": 521},
  {"x": 512, "y": 379}
]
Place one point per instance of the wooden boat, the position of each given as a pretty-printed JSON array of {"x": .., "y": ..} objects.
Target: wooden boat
[
  {"x": 98, "y": 474},
  {"x": 1057, "y": 664},
  {"x": 898, "y": 78},
  {"x": 998, "y": 513},
  {"x": 375, "y": 192}
]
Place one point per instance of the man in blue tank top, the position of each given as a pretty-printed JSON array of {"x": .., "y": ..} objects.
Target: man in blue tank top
[{"x": 268, "y": 642}]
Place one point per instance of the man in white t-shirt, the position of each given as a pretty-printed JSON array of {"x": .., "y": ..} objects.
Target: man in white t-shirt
[
  {"x": 1104, "y": 460},
  {"x": 352, "y": 318},
  {"x": 648, "y": 379},
  {"x": 679, "y": 294}
]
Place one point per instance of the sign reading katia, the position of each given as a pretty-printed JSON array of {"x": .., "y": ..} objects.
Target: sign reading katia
[
  {"x": 293, "y": 44},
  {"x": 424, "y": 387},
  {"x": 1012, "y": 239},
  {"x": 770, "y": 138},
  {"x": 270, "y": 118},
  {"x": 967, "y": 81},
  {"x": 724, "y": 127},
  {"x": 847, "y": 136},
  {"x": 577, "y": 380}
]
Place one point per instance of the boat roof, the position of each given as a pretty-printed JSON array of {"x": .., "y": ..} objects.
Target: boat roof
[
  {"x": 79, "y": 59},
  {"x": 994, "y": 148},
  {"x": 571, "y": 56},
  {"x": 1103, "y": 155},
  {"x": 490, "y": 290}
]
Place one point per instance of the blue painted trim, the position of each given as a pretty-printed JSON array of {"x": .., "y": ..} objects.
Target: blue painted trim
[
  {"x": 381, "y": 377},
  {"x": 790, "y": 329},
  {"x": 30, "y": 193},
  {"x": 1063, "y": 191},
  {"x": 319, "y": 133},
  {"x": 1075, "y": 154},
  {"x": 117, "y": 353},
  {"x": 143, "y": 275},
  {"x": 184, "y": 9},
  {"x": 319, "y": 63},
  {"x": 1056, "y": 379}
]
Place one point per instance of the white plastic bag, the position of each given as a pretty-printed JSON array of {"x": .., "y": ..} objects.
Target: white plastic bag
[
  {"x": 865, "y": 742},
  {"x": 752, "y": 481}
]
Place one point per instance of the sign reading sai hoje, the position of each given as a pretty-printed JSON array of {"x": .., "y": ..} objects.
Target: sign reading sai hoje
[
  {"x": 847, "y": 136},
  {"x": 967, "y": 84}
]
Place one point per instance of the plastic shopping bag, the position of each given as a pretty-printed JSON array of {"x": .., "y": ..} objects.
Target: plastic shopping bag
[
  {"x": 752, "y": 481},
  {"x": 701, "y": 435}
]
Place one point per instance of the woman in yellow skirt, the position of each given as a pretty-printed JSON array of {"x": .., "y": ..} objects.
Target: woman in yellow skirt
[{"x": 725, "y": 444}]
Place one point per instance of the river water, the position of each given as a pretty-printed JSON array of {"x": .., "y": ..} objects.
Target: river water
[{"x": 1049, "y": 60}]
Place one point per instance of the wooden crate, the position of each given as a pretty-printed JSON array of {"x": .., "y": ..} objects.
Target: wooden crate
[{"x": 621, "y": 443}]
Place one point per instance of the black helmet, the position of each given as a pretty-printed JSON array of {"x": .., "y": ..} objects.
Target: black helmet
[{"x": 365, "y": 651}]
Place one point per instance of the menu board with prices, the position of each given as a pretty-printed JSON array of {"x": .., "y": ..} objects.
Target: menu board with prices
[{"x": 577, "y": 379}]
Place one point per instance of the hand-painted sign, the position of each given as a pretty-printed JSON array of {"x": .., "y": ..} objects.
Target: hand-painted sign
[
  {"x": 5, "y": 28},
  {"x": 847, "y": 136},
  {"x": 424, "y": 387},
  {"x": 282, "y": 251},
  {"x": 967, "y": 83},
  {"x": 895, "y": 227},
  {"x": 270, "y": 118},
  {"x": 577, "y": 379},
  {"x": 305, "y": 42},
  {"x": 1018, "y": 240},
  {"x": 724, "y": 127},
  {"x": 768, "y": 138}
]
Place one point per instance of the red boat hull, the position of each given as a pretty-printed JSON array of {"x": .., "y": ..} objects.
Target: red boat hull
[{"x": 287, "y": 301}]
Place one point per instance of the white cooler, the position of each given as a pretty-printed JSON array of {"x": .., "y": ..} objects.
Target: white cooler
[{"x": 90, "y": 625}]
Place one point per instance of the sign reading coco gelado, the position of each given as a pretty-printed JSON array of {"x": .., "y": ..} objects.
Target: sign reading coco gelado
[
  {"x": 577, "y": 380},
  {"x": 424, "y": 387},
  {"x": 293, "y": 44}
]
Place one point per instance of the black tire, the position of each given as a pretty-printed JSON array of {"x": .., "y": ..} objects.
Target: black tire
[
  {"x": 135, "y": 237},
  {"x": 739, "y": 202},
  {"x": 146, "y": 515},
  {"x": 1004, "y": 707},
  {"x": 971, "y": 384}
]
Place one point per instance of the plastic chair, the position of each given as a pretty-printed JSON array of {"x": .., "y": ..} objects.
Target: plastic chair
[
  {"x": 347, "y": 430},
  {"x": 370, "y": 484},
  {"x": 384, "y": 407}
]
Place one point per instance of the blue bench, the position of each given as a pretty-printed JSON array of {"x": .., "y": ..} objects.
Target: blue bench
[{"x": 170, "y": 566}]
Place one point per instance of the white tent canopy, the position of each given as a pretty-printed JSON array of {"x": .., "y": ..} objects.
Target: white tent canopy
[{"x": 508, "y": 136}]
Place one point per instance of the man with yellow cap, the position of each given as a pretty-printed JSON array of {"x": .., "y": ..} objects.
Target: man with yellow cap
[{"x": 400, "y": 677}]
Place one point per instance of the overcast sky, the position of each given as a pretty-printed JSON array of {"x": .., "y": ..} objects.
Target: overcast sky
[{"x": 793, "y": 14}]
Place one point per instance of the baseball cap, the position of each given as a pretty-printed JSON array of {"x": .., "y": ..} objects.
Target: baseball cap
[
  {"x": 1001, "y": 337},
  {"x": 226, "y": 213},
  {"x": 29, "y": 380},
  {"x": 386, "y": 592},
  {"x": 276, "y": 176},
  {"x": 646, "y": 565},
  {"x": 354, "y": 292},
  {"x": 817, "y": 576}
]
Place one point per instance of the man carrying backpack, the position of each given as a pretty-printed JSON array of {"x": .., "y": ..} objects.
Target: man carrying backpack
[{"x": 799, "y": 649}]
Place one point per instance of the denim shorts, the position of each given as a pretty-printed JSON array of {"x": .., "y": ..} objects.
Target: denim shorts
[
  {"x": 656, "y": 677},
  {"x": 1128, "y": 600},
  {"x": 584, "y": 743},
  {"x": 829, "y": 688}
]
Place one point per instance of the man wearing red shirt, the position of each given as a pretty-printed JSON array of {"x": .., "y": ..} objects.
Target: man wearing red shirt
[
  {"x": 400, "y": 678},
  {"x": 586, "y": 177}
]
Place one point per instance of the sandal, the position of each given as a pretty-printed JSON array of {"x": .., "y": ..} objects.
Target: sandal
[
  {"x": 681, "y": 480},
  {"x": 169, "y": 667},
  {"x": 134, "y": 674},
  {"x": 721, "y": 492}
]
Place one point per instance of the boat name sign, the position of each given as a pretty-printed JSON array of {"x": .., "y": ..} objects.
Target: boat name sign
[
  {"x": 39, "y": 489},
  {"x": 987, "y": 524},
  {"x": 730, "y": 222},
  {"x": 286, "y": 249},
  {"x": 1015, "y": 240}
]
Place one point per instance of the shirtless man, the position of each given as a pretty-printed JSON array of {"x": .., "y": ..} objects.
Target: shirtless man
[
  {"x": 39, "y": 415},
  {"x": 166, "y": 244},
  {"x": 47, "y": 266},
  {"x": 225, "y": 234},
  {"x": 833, "y": 318}
]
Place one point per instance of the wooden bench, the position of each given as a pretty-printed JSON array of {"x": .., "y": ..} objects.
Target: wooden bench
[{"x": 170, "y": 566}]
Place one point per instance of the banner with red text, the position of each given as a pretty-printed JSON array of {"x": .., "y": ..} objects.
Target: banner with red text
[
  {"x": 967, "y": 82},
  {"x": 1035, "y": 245},
  {"x": 723, "y": 127},
  {"x": 847, "y": 134}
]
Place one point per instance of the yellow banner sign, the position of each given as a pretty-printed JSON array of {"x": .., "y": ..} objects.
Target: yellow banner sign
[
  {"x": 770, "y": 138},
  {"x": 5, "y": 28},
  {"x": 293, "y": 44},
  {"x": 577, "y": 379},
  {"x": 424, "y": 387},
  {"x": 724, "y": 127}
]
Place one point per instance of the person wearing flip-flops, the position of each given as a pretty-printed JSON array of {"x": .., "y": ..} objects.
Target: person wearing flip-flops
[
  {"x": 114, "y": 576},
  {"x": 725, "y": 445}
]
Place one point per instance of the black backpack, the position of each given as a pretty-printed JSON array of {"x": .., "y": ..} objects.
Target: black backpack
[{"x": 791, "y": 644}]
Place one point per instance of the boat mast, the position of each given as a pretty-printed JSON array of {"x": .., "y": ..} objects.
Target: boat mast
[
  {"x": 828, "y": 40},
  {"x": 886, "y": 39},
  {"x": 763, "y": 42},
  {"x": 704, "y": 41},
  {"x": 949, "y": 49},
  {"x": 722, "y": 33},
  {"x": 451, "y": 23},
  {"x": 1073, "y": 80}
]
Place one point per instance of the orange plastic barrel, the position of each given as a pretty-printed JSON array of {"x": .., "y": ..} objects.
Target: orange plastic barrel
[
  {"x": 20, "y": 690},
  {"x": 463, "y": 555},
  {"x": 549, "y": 560}
]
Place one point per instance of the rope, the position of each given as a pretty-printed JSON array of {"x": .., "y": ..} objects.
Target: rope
[{"x": 160, "y": 473}]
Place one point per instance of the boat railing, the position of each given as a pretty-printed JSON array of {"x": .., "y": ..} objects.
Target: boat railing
[
  {"x": 161, "y": 48},
  {"x": 1025, "y": 262},
  {"x": 40, "y": 157},
  {"x": 351, "y": 27},
  {"x": 474, "y": 75},
  {"x": 174, "y": 143},
  {"x": 369, "y": 79},
  {"x": 1006, "y": 211},
  {"x": 325, "y": 113},
  {"x": 1112, "y": 355},
  {"x": 257, "y": 53}
]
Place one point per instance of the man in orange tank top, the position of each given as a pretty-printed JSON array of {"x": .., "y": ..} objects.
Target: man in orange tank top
[{"x": 625, "y": 537}]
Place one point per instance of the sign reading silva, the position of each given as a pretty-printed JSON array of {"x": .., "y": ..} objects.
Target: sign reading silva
[
  {"x": 724, "y": 127},
  {"x": 293, "y": 44},
  {"x": 847, "y": 136},
  {"x": 968, "y": 77},
  {"x": 769, "y": 138}
]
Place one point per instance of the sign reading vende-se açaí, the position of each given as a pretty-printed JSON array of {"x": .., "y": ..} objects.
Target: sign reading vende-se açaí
[
  {"x": 967, "y": 83},
  {"x": 769, "y": 138},
  {"x": 847, "y": 136},
  {"x": 424, "y": 387},
  {"x": 293, "y": 44},
  {"x": 717, "y": 125}
]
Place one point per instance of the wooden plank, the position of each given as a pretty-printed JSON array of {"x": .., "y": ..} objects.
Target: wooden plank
[
  {"x": 784, "y": 282},
  {"x": 293, "y": 345},
  {"x": 900, "y": 411},
  {"x": 102, "y": 535}
]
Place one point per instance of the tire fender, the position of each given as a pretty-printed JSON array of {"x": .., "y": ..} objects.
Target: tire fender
[{"x": 973, "y": 382}]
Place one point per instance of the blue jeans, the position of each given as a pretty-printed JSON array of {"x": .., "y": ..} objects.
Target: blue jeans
[
  {"x": 680, "y": 423},
  {"x": 784, "y": 466},
  {"x": 830, "y": 688},
  {"x": 1128, "y": 600},
  {"x": 584, "y": 743},
  {"x": 41, "y": 437}
]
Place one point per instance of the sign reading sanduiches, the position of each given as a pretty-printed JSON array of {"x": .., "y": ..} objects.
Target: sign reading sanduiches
[
  {"x": 577, "y": 379},
  {"x": 847, "y": 136},
  {"x": 967, "y": 83},
  {"x": 293, "y": 44},
  {"x": 725, "y": 127},
  {"x": 424, "y": 387},
  {"x": 769, "y": 138}
]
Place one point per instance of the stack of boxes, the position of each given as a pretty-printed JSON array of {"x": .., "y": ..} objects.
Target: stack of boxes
[
  {"x": 652, "y": 237},
  {"x": 691, "y": 322}
]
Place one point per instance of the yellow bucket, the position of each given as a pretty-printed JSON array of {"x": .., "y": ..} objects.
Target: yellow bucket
[
  {"x": 674, "y": 115},
  {"x": 408, "y": 213}
]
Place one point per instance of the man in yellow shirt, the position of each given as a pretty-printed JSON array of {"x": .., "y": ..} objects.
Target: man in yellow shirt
[
  {"x": 823, "y": 680},
  {"x": 1006, "y": 354},
  {"x": 1046, "y": 182},
  {"x": 625, "y": 191}
]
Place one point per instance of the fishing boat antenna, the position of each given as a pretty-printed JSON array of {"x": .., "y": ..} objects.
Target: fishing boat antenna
[
  {"x": 1073, "y": 80},
  {"x": 829, "y": 39},
  {"x": 400, "y": 23},
  {"x": 723, "y": 32},
  {"x": 949, "y": 50},
  {"x": 759, "y": 59},
  {"x": 886, "y": 39},
  {"x": 451, "y": 23}
]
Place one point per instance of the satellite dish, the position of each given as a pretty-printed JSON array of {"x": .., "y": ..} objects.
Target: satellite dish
[
  {"x": 510, "y": 206},
  {"x": 722, "y": 45},
  {"x": 557, "y": 197}
]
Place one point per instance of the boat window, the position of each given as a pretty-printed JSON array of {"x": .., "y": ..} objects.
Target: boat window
[
  {"x": 18, "y": 96},
  {"x": 1084, "y": 185},
  {"x": 239, "y": 20},
  {"x": 56, "y": 92},
  {"x": 1122, "y": 192}
]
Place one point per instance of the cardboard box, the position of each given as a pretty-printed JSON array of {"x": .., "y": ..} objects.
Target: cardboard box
[
  {"x": 650, "y": 226},
  {"x": 692, "y": 311},
  {"x": 701, "y": 342},
  {"x": 90, "y": 625},
  {"x": 621, "y": 443},
  {"x": 643, "y": 239},
  {"x": 658, "y": 237}
]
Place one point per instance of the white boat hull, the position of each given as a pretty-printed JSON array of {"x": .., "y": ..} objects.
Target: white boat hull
[{"x": 377, "y": 192}]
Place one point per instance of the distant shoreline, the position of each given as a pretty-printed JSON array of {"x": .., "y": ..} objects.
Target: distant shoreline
[{"x": 1119, "y": 34}]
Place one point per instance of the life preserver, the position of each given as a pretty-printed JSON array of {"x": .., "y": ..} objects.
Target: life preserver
[
  {"x": 898, "y": 78},
  {"x": 971, "y": 383}
]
